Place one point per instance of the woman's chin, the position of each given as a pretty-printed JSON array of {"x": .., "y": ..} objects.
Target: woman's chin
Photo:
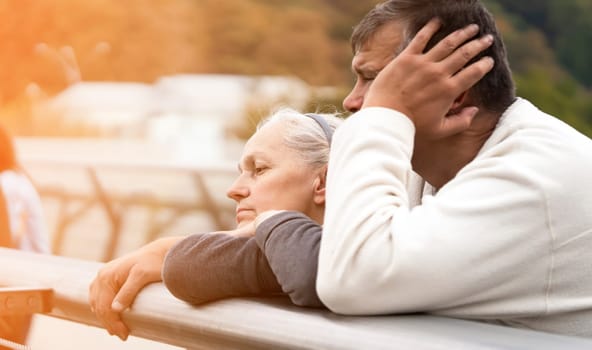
[{"x": 243, "y": 223}]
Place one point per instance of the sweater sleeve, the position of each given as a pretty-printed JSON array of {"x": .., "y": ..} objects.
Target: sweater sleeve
[
  {"x": 212, "y": 266},
  {"x": 478, "y": 248},
  {"x": 290, "y": 242}
]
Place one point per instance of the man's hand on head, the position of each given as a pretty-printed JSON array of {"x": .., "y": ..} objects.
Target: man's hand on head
[{"x": 424, "y": 86}]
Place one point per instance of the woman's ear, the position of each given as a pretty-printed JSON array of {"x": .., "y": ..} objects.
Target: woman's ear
[{"x": 320, "y": 183}]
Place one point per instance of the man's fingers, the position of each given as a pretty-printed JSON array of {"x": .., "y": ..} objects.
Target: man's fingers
[
  {"x": 421, "y": 39},
  {"x": 457, "y": 60},
  {"x": 470, "y": 75},
  {"x": 451, "y": 43}
]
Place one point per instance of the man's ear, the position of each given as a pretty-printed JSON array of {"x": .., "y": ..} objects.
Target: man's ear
[
  {"x": 459, "y": 103},
  {"x": 320, "y": 184}
]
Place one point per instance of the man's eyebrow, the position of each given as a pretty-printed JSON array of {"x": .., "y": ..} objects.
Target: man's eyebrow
[{"x": 365, "y": 69}]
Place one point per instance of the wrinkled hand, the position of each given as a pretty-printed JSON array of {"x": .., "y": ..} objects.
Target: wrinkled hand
[
  {"x": 119, "y": 281},
  {"x": 423, "y": 86}
]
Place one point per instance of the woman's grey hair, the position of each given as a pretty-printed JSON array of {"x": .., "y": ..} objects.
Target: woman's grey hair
[{"x": 305, "y": 135}]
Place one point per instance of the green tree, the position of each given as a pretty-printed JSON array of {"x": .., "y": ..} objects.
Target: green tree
[
  {"x": 538, "y": 72},
  {"x": 571, "y": 21},
  {"x": 567, "y": 25}
]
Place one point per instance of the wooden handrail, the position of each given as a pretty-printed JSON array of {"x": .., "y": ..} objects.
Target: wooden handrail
[{"x": 270, "y": 323}]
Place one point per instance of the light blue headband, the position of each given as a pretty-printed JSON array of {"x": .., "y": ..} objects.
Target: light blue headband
[{"x": 323, "y": 124}]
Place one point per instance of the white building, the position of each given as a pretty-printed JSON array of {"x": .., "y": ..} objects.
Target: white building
[{"x": 188, "y": 113}]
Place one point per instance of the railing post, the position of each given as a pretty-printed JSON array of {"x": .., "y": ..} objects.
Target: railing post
[
  {"x": 113, "y": 214},
  {"x": 209, "y": 202}
]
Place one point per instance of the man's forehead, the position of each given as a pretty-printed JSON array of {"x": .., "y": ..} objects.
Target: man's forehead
[
  {"x": 383, "y": 44},
  {"x": 366, "y": 62}
]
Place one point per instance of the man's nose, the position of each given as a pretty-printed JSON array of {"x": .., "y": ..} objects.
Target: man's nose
[{"x": 354, "y": 101}]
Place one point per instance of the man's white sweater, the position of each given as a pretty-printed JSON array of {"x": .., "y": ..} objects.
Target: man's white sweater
[{"x": 508, "y": 239}]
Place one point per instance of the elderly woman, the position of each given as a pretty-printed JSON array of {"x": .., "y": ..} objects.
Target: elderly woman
[{"x": 283, "y": 168}]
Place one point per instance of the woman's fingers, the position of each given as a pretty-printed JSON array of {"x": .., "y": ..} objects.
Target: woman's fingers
[
  {"x": 103, "y": 296},
  {"x": 138, "y": 278},
  {"x": 118, "y": 283},
  {"x": 102, "y": 292}
]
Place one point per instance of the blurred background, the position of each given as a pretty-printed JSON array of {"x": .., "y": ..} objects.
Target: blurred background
[
  {"x": 129, "y": 116},
  {"x": 125, "y": 54}
]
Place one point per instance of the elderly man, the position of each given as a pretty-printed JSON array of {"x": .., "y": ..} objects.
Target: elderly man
[{"x": 498, "y": 228}]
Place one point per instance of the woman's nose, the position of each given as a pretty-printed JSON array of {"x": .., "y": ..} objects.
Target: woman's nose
[{"x": 237, "y": 191}]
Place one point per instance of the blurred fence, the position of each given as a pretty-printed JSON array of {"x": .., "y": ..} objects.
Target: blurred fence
[{"x": 105, "y": 208}]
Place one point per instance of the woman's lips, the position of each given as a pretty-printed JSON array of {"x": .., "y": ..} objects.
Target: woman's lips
[{"x": 244, "y": 213}]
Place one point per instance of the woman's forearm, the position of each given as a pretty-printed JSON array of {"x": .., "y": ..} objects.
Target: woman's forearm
[{"x": 212, "y": 266}]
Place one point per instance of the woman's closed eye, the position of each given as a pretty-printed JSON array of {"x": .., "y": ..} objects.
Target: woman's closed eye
[{"x": 259, "y": 170}]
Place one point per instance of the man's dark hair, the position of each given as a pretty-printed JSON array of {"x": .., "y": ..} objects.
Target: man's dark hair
[{"x": 495, "y": 92}]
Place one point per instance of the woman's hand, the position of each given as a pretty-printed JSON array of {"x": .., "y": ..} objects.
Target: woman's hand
[{"x": 119, "y": 281}]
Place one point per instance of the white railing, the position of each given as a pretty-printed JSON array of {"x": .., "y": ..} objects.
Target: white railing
[{"x": 260, "y": 323}]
